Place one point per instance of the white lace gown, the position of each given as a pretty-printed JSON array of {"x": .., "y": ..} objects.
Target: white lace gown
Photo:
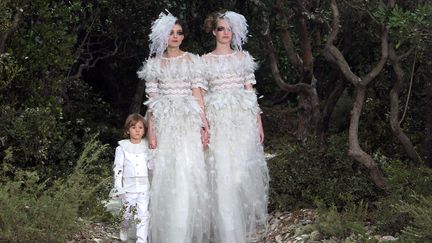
[
  {"x": 179, "y": 203},
  {"x": 238, "y": 174}
]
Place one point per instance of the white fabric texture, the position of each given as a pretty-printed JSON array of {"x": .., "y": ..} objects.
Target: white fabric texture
[
  {"x": 179, "y": 193},
  {"x": 136, "y": 208},
  {"x": 172, "y": 76},
  {"x": 231, "y": 71},
  {"x": 238, "y": 171},
  {"x": 131, "y": 184},
  {"x": 131, "y": 167}
]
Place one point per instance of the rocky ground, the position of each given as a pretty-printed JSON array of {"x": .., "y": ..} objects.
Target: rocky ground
[{"x": 284, "y": 227}]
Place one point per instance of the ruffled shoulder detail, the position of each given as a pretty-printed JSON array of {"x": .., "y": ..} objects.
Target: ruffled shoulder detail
[
  {"x": 148, "y": 70},
  {"x": 129, "y": 147},
  {"x": 248, "y": 62},
  {"x": 197, "y": 72}
]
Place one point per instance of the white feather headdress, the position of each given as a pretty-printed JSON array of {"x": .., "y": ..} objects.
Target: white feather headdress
[
  {"x": 239, "y": 28},
  {"x": 160, "y": 31}
]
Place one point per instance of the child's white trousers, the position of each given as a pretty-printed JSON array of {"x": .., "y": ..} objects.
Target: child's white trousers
[{"x": 136, "y": 204}]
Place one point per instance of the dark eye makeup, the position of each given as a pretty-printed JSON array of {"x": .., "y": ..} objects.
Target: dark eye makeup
[
  {"x": 221, "y": 28},
  {"x": 178, "y": 32}
]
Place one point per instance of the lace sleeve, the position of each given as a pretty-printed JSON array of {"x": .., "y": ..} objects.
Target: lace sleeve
[
  {"x": 249, "y": 66},
  {"x": 197, "y": 73},
  {"x": 148, "y": 73}
]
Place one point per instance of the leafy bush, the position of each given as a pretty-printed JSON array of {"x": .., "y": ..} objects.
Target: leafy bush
[
  {"x": 35, "y": 137},
  {"x": 330, "y": 222},
  {"x": 48, "y": 139},
  {"x": 420, "y": 228},
  {"x": 49, "y": 211},
  {"x": 403, "y": 182},
  {"x": 301, "y": 174}
]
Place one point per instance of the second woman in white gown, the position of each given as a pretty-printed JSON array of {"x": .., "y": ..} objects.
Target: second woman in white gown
[
  {"x": 179, "y": 204},
  {"x": 238, "y": 174}
]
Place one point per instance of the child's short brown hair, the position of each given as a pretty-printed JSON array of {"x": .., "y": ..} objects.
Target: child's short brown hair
[{"x": 131, "y": 120}]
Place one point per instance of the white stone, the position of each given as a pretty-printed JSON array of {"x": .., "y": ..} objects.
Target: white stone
[{"x": 388, "y": 238}]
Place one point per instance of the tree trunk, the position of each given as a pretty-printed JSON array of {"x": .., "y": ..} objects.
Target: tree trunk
[
  {"x": 138, "y": 97},
  {"x": 329, "y": 106},
  {"x": 394, "y": 109},
  {"x": 303, "y": 113},
  {"x": 333, "y": 55},
  {"x": 355, "y": 150},
  {"x": 308, "y": 108}
]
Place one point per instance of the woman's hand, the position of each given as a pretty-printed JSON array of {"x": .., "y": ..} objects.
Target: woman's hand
[
  {"x": 151, "y": 139},
  {"x": 205, "y": 137},
  {"x": 150, "y": 134},
  {"x": 260, "y": 129}
]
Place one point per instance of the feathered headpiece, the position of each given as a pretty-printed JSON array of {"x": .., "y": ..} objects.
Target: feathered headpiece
[
  {"x": 239, "y": 28},
  {"x": 160, "y": 31}
]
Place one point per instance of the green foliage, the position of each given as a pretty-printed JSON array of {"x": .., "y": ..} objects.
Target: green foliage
[
  {"x": 301, "y": 174},
  {"x": 87, "y": 113},
  {"x": 402, "y": 182},
  {"x": 49, "y": 211},
  {"x": 6, "y": 15},
  {"x": 37, "y": 138},
  {"x": 9, "y": 69},
  {"x": 40, "y": 52},
  {"x": 407, "y": 23},
  {"x": 420, "y": 228},
  {"x": 330, "y": 222}
]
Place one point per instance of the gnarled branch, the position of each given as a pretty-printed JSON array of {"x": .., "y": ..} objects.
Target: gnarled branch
[{"x": 91, "y": 61}]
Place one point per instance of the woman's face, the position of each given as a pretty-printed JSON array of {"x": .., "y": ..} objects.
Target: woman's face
[
  {"x": 176, "y": 36},
  {"x": 223, "y": 32}
]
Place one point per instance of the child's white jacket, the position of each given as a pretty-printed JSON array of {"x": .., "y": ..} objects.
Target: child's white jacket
[{"x": 131, "y": 166}]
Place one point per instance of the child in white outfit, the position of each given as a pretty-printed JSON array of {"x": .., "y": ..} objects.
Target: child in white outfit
[{"x": 131, "y": 181}]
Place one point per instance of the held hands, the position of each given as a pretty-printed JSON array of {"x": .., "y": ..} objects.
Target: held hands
[{"x": 205, "y": 137}]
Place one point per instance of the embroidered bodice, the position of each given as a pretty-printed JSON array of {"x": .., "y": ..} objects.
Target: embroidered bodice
[
  {"x": 230, "y": 71},
  {"x": 172, "y": 75}
]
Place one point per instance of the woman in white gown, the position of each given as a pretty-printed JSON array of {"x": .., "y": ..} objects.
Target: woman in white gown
[
  {"x": 179, "y": 204},
  {"x": 238, "y": 175}
]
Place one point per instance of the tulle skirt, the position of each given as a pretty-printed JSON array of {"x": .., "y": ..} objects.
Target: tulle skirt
[
  {"x": 238, "y": 171},
  {"x": 179, "y": 204}
]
